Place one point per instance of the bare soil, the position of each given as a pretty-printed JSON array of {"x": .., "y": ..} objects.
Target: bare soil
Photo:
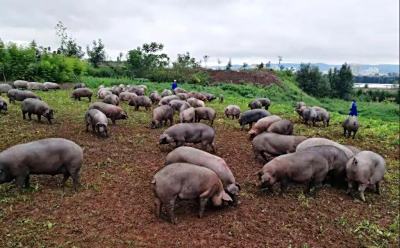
[
  {"x": 256, "y": 77},
  {"x": 114, "y": 206}
]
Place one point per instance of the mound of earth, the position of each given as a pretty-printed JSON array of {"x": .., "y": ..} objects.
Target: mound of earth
[{"x": 257, "y": 77}]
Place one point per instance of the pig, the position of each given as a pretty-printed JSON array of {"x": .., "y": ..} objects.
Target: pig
[
  {"x": 183, "y": 96},
  {"x": 162, "y": 114},
  {"x": 323, "y": 142},
  {"x": 140, "y": 91},
  {"x": 300, "y": 106},
  {"x": 166, "y": 99},
  {"x": 265, "y": 102},
  {"x": 36, "y": 107},
  {"x": 308, "y": 114},
  {"x": 3, "y": 105},
  {"x": 269, "y": 145},
  {"x": 354, "y": 149},
  {"x": 195, "y": 103},
  {"x": 350, "y": 125},
  {"x": 20, "y": 84},
  {"x": 111, "y": 99},
  {"x": 4, "y": 88},
  {"x": 20, "y": 95},
  {"x": 78, "y": 93},
  {"x": 155, "y": 97},
  {"x": 251, "y": 116},
  {"x": 187, "y": 115},
  {"x": 281, "y": 127},
  {"x": 209, "y": 97},
  {"x": 36, "y": 86},
  {"x": 233, "y": 111},
  {"x": 366, "y": 169},
  {"x": 179, "y": 90},
  {"x": 98, "y": 121},
  {"x": 255, "y": 104},
  {"x": 179, "y": 105},
  {"x": 186, "y": 181},
  {"x": 126, "y": 96},
  {"x": 186, "y": 154},
  {"x": 47, "y": 156},
  {"x": 116, "y": 90},
  {"x": 111, "y": 111},
  {"x": 166, "y": 92},
  {"x": 305, "y": 167},
  {"x": 337, "y": 160},
  {"x": 205, "y": 113},
  {"x": 183, "y": 133},
  {"x": 322, "y": 115},
  {"x": 79, "y": 85},
  {"x": 197, "y": 95},
  {"x": 52, "y": 86},
  {"x": 140, "y": 101},
  {"x": 262, "y": 125},
  {"x": 103, "y": 92}
]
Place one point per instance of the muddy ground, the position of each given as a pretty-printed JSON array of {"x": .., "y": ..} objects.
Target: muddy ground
[{"x": 114, "y": 206}]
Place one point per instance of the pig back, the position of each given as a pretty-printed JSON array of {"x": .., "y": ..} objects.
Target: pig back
[
  {"x": 322, "y": 141},
  {"x": 198, "y": 157}
]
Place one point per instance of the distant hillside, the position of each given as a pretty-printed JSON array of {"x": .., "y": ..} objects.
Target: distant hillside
[{"x": 383, "y": 68}]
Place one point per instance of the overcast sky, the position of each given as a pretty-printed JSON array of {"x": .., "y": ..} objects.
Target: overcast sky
[{"x": 354, "y": 31}]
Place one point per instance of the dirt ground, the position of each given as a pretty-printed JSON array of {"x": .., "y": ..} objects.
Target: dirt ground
[
  {"x": 258, "y": 77},
  {"x": 114, "y": 206}
]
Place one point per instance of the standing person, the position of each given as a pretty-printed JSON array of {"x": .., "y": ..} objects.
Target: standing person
[
  {"x": 174, "y": 85},
  {"x": 353, "y": 108}
]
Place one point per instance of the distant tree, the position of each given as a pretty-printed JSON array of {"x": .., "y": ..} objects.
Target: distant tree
[
  {"x": 260, "y": 66},
  {"x": 341, "y": 81},
  {"x": 146, "y": 58},
  {"x": 97, "y": 53},
  {"x": 119, "y": 57},
  {"x": 185, "y": 61},
  {"x": 205, "y": 58},
  {"x": 68, "y": 45},
  {"x": 219, "y": 63},
  {"x": 311, "y": 80},
  {"x": 280, "y": 58},
  {"x": 229, "y": 65},
  {"x": 244, "y": 66}
]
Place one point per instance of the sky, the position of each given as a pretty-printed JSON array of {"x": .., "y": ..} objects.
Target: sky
[{"x": 352, "y": 31}]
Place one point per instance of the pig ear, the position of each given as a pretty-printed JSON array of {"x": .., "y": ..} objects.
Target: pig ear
[
  {"x": 355, "y": 162},
  {"x": 226, "y": 197}
]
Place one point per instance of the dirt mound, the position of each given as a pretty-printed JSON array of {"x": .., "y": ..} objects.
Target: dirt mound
[{"x": 256, "y": 77}]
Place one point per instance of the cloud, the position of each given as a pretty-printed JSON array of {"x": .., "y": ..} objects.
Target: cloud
[{"x": 355, "y": 31}]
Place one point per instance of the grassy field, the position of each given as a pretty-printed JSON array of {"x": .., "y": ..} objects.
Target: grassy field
[{"x": 118, "y": 170}]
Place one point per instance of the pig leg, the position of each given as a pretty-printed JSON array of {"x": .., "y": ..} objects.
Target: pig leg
[
  {"x": 203, "y": 203},
  {"x": 157, "y": 205},
  {"x": 361, "y": 189},
  {"x": 354, "y": 134},
  {"x": 26, "y": 182},
  {"x": 90, "y": 99},
  {"x": 171, "y": 208},
  {"x": 23, "y": 115},
  {"x": 30, "y": 116},
  {"x": 284, "y": 186},
  {"x": 113, "y": 121},
  {"x": 378, "y": 188},
  {"x": 344, "y": 132},
  {"x": 65, "y": 178},
  {"x": 39, "y": 117},
  {"x": 349, "y": 187},
  {"x": 20, "y": 181}
]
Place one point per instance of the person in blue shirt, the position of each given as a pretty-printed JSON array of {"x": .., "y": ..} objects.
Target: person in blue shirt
[
  {"x": 353, "y": 109},
  {"x": 174, "y": 85}
]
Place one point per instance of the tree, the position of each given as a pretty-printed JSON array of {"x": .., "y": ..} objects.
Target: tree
[
  {"x": 185, "y": 61},
  {"x": 68, "y": 45},
  {"x": 146, "y": 58},
  {"x": 119, "y": 58},
  {"x": 260, "y": 66},
  {"x": 97, "y": 54},
  {"x": 229, "y": 65},
  {"x": 205, "y": 58},
  {"x": 311, "y": 80},
  {"x": 341, "y": 81},
  {"x": 244, "y": 66},
  {"x": 219, "y": 63}
]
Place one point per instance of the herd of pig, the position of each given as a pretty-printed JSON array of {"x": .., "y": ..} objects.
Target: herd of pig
[{"x": 191, "y": 173}]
